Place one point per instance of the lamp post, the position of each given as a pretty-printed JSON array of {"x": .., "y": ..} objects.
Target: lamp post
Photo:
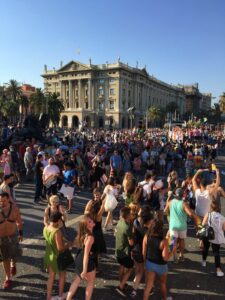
[{"x": 130, "y": 111}]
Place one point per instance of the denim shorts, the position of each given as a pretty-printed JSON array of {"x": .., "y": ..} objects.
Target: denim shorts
[{"x": 156, "y": 268}]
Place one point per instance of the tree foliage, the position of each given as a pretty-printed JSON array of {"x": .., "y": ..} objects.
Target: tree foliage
[
  {"x": 38, "y": 102},
  {"x": 153, "y": 114},
  {"x": 13, "y": 90},
  {"x": 55, "y": 107}
]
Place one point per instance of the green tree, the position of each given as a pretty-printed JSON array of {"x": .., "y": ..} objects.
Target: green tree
[
  {"x": 24, "y": 102},
  {"x": 154, "y": 114},
  {"x": 55, "y": 107},
  {"x": 9, "y": 108},
  {"x": 38, "y": 102},
  {"x": 13, "y": 90}
]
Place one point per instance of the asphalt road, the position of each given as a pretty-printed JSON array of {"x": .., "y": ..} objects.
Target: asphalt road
[{"x": 186, "y": 280}]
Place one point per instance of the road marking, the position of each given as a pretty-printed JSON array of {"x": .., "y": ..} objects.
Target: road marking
[{"x": 74, "y": 221}]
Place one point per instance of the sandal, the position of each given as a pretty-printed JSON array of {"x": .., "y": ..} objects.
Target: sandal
[{"x": 7, "y": 284}]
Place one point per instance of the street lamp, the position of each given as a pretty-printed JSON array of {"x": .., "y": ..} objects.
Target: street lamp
[{"x": 130, "y": 111}]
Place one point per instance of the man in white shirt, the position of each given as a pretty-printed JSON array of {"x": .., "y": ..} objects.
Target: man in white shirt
[
  {"x": 146, "y": 186},
  {"x": 50, "y": 174}
]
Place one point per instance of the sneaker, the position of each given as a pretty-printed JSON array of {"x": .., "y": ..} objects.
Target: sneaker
[
  {"x": 204, "y": 263},
  {"x": 175, "y": 259},
  {"x": 133, "y": 294},
  {"x": 13, "y": 270},
  {"x": 169, "y": 298},
  {"x": 219, "y": 274},
  {"x": 121, "y": 292},
  {"x": 151, "y": 292},
  {"x": 7, "y": 284},
  {"x": 181, "y": 258}
]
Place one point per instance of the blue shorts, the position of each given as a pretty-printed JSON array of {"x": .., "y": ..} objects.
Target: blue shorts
[{"x": 156, "y": 268}]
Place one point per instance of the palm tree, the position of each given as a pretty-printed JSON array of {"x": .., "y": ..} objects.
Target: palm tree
[
  {"x": 9, "y": 108},
  {"x": 55, "y": 107},
  {"x": 154, "y": 114},
  {"x": 38, "y": 101},
  {"x": 24, "y": 103},
  {"x": 13, "y": 89}
]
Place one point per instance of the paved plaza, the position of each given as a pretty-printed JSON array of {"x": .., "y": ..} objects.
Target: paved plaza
[{"x": 186, "y": 280}]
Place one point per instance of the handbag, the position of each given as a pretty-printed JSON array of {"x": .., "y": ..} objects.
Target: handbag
[
  {"x": 110, "y": 202},
  {"x": 64, "y": 260},
  {"x": 206, "y": 232}
]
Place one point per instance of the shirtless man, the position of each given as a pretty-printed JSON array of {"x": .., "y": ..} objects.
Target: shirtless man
[
  {"x": 7, "y": 179},
  {"x": 10, "y": 223}
]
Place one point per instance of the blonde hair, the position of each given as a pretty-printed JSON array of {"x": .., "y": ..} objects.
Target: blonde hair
[
  {"x": 174, "y": 173},
  {"x": 53, "y": 198},
  {"x": 82, "y": 232},
  {"x": 134, "y": 209}
]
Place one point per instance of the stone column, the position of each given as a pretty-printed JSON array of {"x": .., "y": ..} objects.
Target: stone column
[
  {"x": 90, "y": 100},
  {"x": 61, "y": 89},
  {"x": 106, "y": 93},
  {"x": 79, "y": 93},
  {"x": 135, "y": 102},
  {"x": 64, "y": 92},
  {"x": 70, "y": 94}
]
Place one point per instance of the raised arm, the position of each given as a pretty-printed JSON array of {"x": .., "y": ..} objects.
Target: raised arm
[
  {"x": 217, "y": 183},
  {"x": 194, "y": 180}
]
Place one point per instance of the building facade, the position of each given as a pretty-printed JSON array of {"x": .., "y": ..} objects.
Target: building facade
[
  {"x": 195, "y": 100},
  {"x": 100, "y": 95},
  {"x": 206, "y": 102}
]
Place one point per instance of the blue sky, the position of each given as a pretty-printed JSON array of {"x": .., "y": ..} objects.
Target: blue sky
[{"x": 180, "y": 41}]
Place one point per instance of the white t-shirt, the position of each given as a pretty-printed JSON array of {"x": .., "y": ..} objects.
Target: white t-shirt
[
  {"x": 217, "y": 221},
  {"x": 50, "y": 170},
  {"x": 45, "y": 162},
  {"x": 110, "y": 190},
  {"x": 146, "y": 188},
  {"x": 203, "y": 201}
]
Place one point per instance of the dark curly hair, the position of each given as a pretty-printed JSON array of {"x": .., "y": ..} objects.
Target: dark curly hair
[{"x": 156, "y": 228}]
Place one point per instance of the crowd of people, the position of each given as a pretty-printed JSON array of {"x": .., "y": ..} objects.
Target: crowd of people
[{"x": 158, "y": 183}]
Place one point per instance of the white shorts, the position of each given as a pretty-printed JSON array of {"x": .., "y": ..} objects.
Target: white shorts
[{"x": 182, "y": 234}]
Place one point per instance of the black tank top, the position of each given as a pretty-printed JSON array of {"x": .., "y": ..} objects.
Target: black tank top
[{"x": 154, "y": 253}]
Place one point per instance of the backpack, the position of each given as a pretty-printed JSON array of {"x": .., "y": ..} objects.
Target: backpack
[{"x": 153, "y": 199}]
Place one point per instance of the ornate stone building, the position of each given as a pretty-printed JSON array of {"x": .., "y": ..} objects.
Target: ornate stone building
[
  {"x": 100, "y": 95},
  {"x": 195, "y": 100}
]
